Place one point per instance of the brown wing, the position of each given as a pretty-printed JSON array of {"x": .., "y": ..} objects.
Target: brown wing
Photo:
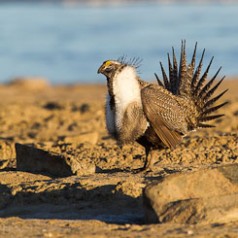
[{"x": 164, "y": 113}]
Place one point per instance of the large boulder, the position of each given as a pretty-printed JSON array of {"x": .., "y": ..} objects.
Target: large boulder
[{"x": 205, "y": 196}]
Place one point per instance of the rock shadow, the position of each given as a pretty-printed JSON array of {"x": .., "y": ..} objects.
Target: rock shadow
[{"x": 102, "y": 203}]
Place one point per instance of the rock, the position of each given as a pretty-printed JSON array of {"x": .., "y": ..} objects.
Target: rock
[
  {"x": 83, "y": 108},
  {"x": 35, "y": 160},
  {"x": 7, "y": 154},
  {"x": 206, "y": 196},
  {"x": 130, "y": 188},
  {"x": 81, "y": 165},
  {"x": 53, "y": 106},
  {"x": 91, "y": 138}
]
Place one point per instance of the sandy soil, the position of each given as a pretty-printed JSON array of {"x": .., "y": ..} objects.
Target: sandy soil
[{"x": 107, "y": 202}]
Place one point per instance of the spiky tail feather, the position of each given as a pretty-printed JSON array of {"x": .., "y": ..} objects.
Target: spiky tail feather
[{"x": 188, "y": 82}]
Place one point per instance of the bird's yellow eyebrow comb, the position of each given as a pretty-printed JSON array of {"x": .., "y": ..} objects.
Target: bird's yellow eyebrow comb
[{"x": 107, "y": 63}]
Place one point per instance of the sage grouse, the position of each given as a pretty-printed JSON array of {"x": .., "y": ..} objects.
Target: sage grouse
[{"x": 158, "y": 116}]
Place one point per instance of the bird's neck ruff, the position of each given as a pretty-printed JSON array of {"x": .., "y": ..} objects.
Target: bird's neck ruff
[
  {"x": 126, "y": 87},
  {"x": 126, "y": 90}
]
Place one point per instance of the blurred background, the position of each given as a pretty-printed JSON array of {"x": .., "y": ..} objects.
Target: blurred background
[{"x": 66, "y": 41}]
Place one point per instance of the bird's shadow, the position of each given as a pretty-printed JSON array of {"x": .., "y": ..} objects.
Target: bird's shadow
[{"x": 119, "y": 170}]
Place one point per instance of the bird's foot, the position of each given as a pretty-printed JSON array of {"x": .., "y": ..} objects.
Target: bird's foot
[{"x": 151, "y": 158}]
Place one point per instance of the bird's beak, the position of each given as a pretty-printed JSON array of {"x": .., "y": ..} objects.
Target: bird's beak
[{"x": 100, "y": 70}]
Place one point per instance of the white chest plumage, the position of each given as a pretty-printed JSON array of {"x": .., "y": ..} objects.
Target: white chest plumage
[{"x": 126, "y": 90}]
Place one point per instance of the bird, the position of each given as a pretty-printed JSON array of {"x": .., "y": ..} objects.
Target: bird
[{"x": 158, "y": 115}]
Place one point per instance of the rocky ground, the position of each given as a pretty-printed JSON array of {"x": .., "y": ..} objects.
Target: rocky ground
[{"x": 61, "y": 175}]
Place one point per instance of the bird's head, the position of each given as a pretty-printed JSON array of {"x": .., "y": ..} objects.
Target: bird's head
[
  {"x": 120, "y": 72},
  {"x": 110, "y": 67}
]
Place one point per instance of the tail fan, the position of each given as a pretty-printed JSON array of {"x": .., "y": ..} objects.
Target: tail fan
[{"x": 188, "y": 81}]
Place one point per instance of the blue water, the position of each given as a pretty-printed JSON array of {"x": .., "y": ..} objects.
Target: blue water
[{"x": 67, "y": 44}]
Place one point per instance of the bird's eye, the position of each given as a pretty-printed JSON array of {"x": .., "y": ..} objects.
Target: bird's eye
[{"x": 108, "y": 69}]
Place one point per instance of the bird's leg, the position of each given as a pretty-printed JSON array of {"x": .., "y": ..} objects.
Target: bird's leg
[{"x": 150, "y": 158}]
